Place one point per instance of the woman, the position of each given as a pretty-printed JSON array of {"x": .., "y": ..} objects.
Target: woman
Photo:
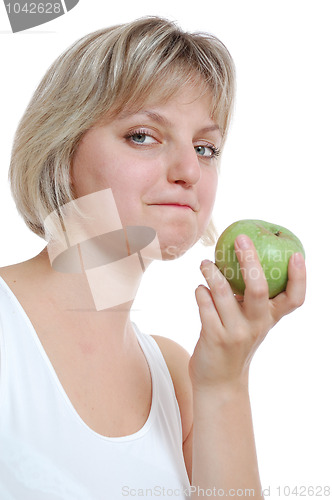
[{"x": 125, "y": 131}]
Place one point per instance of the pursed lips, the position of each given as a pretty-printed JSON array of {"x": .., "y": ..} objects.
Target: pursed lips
[{"x": 178, "y": 205}]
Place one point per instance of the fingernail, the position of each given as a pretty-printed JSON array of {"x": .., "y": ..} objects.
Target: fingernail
[
  {"x": 204, "y": 266},
  {"x": 243, "y": 242},
  {"x": 298, "y": 260}
]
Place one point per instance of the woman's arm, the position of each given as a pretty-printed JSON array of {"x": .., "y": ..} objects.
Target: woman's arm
[
  {"x": 177, "y": 360},
  {"x": 224, "y": 455}
]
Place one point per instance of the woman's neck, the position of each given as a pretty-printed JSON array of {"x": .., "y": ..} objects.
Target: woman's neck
[{"x": 102, "y": 299}]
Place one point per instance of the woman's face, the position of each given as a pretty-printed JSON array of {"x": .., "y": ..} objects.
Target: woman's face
[{"x": 161, "y": 165}]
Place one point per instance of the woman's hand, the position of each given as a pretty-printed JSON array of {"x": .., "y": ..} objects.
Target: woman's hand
[{"x": 233, "y": 329}]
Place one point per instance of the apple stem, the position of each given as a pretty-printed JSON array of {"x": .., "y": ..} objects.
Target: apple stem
[{"x": 278, "y": 233}]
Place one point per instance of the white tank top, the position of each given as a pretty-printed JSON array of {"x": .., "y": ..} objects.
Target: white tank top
[{"x": 47, "y": 452}]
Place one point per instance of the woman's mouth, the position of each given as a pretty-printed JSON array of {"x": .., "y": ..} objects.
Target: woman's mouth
[{"x": 180, "y": 206}]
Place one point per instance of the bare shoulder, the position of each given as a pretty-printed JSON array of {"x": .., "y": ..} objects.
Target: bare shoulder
[
  {"x": 25, "y": 274},
  {"x": 172, "y": 351},
  {"x": 16, "y": 276},
  {"x": 27, "y": 285},
  {"x": 177, "y": 360},
  {"x": 10, "y": 274}
]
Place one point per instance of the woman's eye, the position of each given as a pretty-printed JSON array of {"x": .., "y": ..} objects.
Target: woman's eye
[
  {"x": 207, "y": 151},
  {"x": 141, "y": 138}
]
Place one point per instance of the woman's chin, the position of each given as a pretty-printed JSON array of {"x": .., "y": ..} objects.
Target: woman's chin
[{"x": 173, "y": 248}]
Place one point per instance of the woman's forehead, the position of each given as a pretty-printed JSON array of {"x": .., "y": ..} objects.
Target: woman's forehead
[
  {"x": 160, "y": 95},
  {"x": 160, "y": 98}
]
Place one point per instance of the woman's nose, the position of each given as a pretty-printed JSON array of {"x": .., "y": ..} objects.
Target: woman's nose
[{"x": 184, "y": 167}]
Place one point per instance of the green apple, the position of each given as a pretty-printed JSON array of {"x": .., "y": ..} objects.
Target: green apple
[{"x": 274, "y": 245}]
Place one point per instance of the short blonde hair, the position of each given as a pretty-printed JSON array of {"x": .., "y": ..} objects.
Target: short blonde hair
[{"x": 100, "y": 75}]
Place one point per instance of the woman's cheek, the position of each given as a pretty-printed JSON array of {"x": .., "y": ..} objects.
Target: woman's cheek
[{"x": 208, "y": 191}]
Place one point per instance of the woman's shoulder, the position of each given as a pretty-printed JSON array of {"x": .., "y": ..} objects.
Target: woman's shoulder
[
  {"x": 14, "y": 276},
  {"x": 20, "y": 285},
  {"x": 176, "y": 357},
  {"x": 13, "y": 272},
  {"x": 8, "y": 275},
  {"x": 177, "y": 361}
]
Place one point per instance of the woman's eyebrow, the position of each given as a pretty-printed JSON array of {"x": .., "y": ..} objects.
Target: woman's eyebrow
[
  {"x": 210, "y": 128},
  {"x": 162, "y": 120}
]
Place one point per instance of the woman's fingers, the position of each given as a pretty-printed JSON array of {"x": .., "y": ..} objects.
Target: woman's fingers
[
  {"x": 209, "y": 317},
  {"x": 256, "y": 294},
  {"x": 294, "y": 295},
  {"x": 221, "y": 293},
  {"x": 222, "y": 312}
]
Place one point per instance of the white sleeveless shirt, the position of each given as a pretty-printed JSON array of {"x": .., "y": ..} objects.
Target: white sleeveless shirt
[{"x": 47, "y": 452}]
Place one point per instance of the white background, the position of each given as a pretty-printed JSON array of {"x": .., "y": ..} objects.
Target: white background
[{"x": 275, "y": 167}]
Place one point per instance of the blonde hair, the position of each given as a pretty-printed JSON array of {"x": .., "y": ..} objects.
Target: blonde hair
[{"x": 104, "y": 72}]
